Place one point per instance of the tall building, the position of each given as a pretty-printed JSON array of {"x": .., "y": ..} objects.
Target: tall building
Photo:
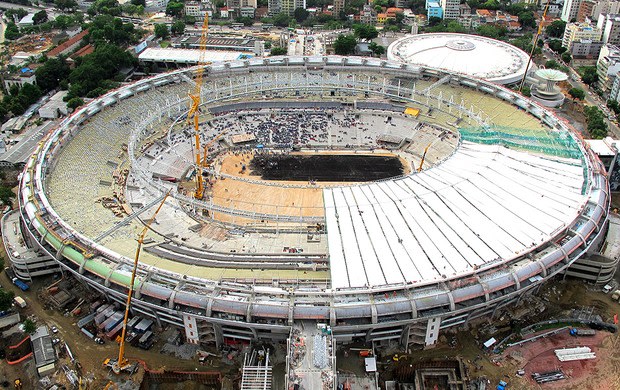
[
  {"x": 608, "y": 66},
  {"x": 451, "y": 8},
  {"x": 570, "y": 10},
  {"x": 287, "y": 6},
  {"x": 610, "y": 26},
  {"x": 592, "y": 9},
  {"x": 580, "y": 31},
  {"x": 338, "y": 7}
]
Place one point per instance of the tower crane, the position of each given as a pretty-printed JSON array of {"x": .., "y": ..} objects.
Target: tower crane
[
  {"x": 194, "y": 112},
  {"x": 122, "y": 363}
]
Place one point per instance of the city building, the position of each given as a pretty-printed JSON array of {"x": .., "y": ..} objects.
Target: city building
[
  {"x": 55, "y": 106},
  {"x": 570, "y": 10},
  {"x": 585, "y": 49},
  {"x": 286, "y": 6},
  {"x": 23, "y": 76},
  {"x": 592, "y": 9},
  {"x": 451, "y": 9},
  {"x": 608, "y": 66},
  {"x": 68, "y": 46},
  {"x": 580, "y": 31},
  {"x": 338, "y": 8},
  {"x": 609, "y": 24},
  {"x": 192, "y": 8},
  {"x": 368, "y": 15},
  {"x": 434, "y": 9}
]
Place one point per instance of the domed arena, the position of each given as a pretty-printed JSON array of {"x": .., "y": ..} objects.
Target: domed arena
[
  {"x": 466, "y": 54},
  {"x": 386, "y": 200}
]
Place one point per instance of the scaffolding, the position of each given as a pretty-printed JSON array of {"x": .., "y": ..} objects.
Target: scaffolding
[{"x": 256, "y": 371}]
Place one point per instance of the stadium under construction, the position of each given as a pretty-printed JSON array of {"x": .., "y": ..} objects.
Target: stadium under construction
[{"x": 496, "y": 195}]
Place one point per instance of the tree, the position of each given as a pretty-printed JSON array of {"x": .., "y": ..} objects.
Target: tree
[
  {"x": 556, "y": 29},
  {"x": 526, "y": 18},
  {"x": 74, "y": 103},
  {"x": 175, "y": 8},
  {"x": 161, "y": 31},
  {"x": 566, "y": 57},
  {"x": 595, "y": 119},
  {"x": 65, "y": 5},
  {"x": 39, "y": 17},
  {"x": 278, "y": 51},
  {"x": 589, "y": 75},
  {"x": 614, "y": 106},
  {"x": 577, "y": 93},
  {"x": 139, "y": 2},
  {"x": 29, "y": 327},
  {"x": 51, "y": 73},
  {"x": 377, "y": 50},
  {"x": 301, "y": 14},
  {"x": 491, "y": 31},
  {"x": 365, "y": 32},
  {"x": 29, "y": 94},
  {"x": 11, "y": 31},
  {"x": 556, "y": 46},
  {"x": 345, "y": 44},
  {"x": 434, "y": 21},
  {"x": 552, "y": 64},
  {"x": 178, "y": 27},
  {"x": 6, "y": 299},
  {"x": 281, "y": 20},
  {"x": 246, "y": 20},
  {"x": 526, "y": 91}
]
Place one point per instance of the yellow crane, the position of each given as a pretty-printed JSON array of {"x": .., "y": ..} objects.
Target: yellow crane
[
  {"x": 122, "y": 363},
  {"x": 194, "y": 112},
  {"x": 423, "y": 157}
]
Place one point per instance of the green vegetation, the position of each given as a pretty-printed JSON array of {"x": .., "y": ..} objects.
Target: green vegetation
[
  {"x": 11, "y": 31},
  {"x": 588, "y": 74},
  {"x": 6, "y": 195},
  {"x": 345, "y": 44},
  {"x": 566, "y": 57},
  {"x": 16, "y": 102},
  {"x": 377, "y": 50},
  {"x": 577, "y": 93},
  {"x": 614, "y": 106},
  {"x": 365, "y": 32},
  {"x": 556, "y": 29},
  {"x": 556, "y": 46},
  {"x": 161, "y": 31},
  {"x": 278, "y": 51},
  {"x": 595, "y": 119},
  {"x": 29, "y": 326},
  {"x": 6, "y": 299}
]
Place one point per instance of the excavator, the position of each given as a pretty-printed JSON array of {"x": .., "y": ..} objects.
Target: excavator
[
  {"x": 122, "y": 364},
  {"x": 423, "y": 157}
]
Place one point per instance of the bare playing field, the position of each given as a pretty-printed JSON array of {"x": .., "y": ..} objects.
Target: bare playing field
[
  {"x": 264, "y": 198},
  {"x": 261, "y": 198}
]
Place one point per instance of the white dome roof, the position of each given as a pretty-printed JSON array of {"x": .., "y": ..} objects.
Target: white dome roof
[{"x": 472, "y": 55}]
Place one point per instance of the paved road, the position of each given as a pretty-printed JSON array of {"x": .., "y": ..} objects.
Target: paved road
[{"x": 4, "y": 5}]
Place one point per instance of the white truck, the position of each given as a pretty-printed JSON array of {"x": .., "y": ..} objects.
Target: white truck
[{"x": 19, "y": 301}]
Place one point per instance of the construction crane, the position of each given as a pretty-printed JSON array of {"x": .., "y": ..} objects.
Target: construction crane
[
  {"x": 205, "y": 164},
  {"x": 529, "y": 60},
  {"x": 423, "y": 157},
  {"x": 122, "y": 363},
  {"x": 194, "y": 112}
]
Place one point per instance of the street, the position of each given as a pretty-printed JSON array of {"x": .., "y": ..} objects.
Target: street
[{"x": 591, "y": 98}]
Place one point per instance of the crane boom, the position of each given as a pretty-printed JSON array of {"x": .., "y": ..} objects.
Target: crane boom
[
  {"x": 194, "y": 112},
  {"x": 423, "y": 157},
  {"x": 121, "y": 363}
]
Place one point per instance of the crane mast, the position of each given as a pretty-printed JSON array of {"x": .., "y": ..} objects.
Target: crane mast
[
  {"x": 122, "y": 363},
  {"x": 194, "y": 112}
]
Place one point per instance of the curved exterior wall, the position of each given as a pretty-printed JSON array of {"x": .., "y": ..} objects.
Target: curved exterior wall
[{"x": 245, "y": 311}]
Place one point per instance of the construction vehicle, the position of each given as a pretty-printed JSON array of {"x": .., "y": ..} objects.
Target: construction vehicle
[
  {"x": 205, "y": 165},
  {"x": 122, "y": 364},
  {"x": 194, "y": 112},
  {"x": 18, "y": 383},
  {"x": 423, "y": 157}
]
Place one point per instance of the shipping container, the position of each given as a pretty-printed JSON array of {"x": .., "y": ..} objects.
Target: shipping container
[
  {"x": 87, "y": 333},
  {"x": 111, "y": 335},
  {"x": 143, "y": 326}
]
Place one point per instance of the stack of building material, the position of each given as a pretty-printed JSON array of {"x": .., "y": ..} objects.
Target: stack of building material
[{"x": 577, "y": 353}]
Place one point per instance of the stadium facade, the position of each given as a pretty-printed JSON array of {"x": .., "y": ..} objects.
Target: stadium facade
[{"x": 518, "y": 200}]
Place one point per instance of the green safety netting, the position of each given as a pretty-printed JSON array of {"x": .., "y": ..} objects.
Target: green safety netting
[{"x": 549, "y": 142}]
